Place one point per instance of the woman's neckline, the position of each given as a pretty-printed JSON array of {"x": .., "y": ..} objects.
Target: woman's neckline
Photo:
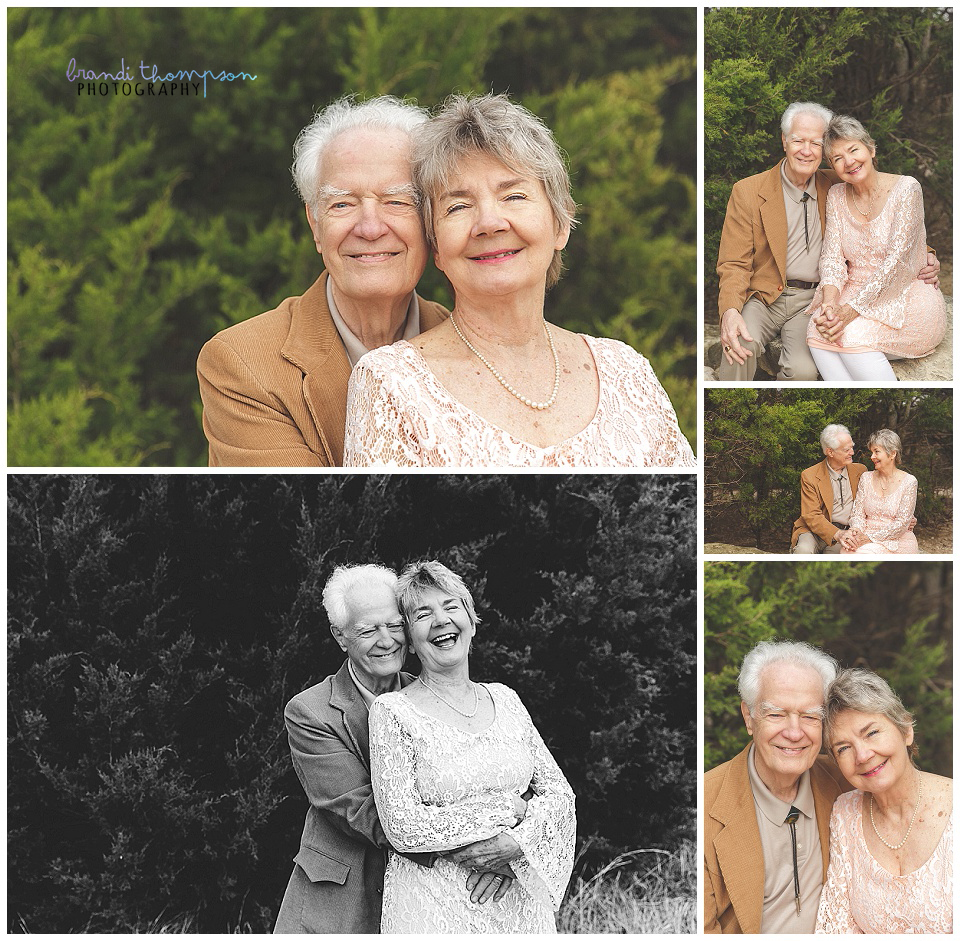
[
  {"x": 848, "y": 190},
  {"x": 875, "y": 476},
  {"x": 876, "y": 862},
  {"x": 450, "y": 725},
  {"x": 547, "y": 449}
]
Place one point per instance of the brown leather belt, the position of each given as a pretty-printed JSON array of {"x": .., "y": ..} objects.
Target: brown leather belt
[{"x": 803, "y": 285}]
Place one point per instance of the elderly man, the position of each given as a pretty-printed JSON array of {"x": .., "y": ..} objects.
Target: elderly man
[
  {"x": 274, "y": 387},
  {"x": 767, "y": 811},
  {"x": 769, "y": 260},
  {"x": 827, "y": 491},
  {"x": 337, "y": 881}
]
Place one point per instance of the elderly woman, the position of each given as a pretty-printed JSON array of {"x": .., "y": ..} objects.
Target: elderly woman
[
  {"x": 882, "y": 514},
  {"x": 891, "y": 839},
  {"x": 496, "y": 385},
  {"x": 870, "y": 306},
  {"x": 459, "y": 764}
]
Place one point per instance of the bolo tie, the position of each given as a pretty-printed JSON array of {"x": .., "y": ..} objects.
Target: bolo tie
[
  {"x": 792, "y": 819},
  {"x": 806, "y": 232}
]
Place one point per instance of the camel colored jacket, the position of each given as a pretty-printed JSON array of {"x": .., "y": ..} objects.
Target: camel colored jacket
[
  {"x": 733, "y": 854},
  {"x": 274, "y": 387},
  {"x": 816, "y": 501},
  {"x": 753, "y": 246}
]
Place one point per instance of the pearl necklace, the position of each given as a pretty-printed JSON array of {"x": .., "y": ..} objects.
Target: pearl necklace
[
  {"x": 912, "y": 819},
  {"x": 871, "y": 197},
  {"x": 496, "y": 374},
  {"x": 446, "y": 702}
]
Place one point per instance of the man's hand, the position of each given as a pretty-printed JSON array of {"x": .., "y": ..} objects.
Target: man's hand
[
  {"x": 732, "y": 327},
  {"x": 484, "y": 886},
  {"x": 492, "y": 853},
  {"x": 930, "y": 273}
]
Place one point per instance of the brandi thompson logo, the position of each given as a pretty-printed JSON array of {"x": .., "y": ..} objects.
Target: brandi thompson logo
[{"x": 147, "y": 79}]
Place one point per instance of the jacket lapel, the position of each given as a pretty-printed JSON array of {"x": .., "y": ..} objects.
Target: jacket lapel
[
  {"x": 823, "y": 186},
  {"x": 824, "y": 793},
  {"x": 345, "y": 697},
  {"x": 774, "y": 216},
  {"x": 738, "y": 847},
  {"x": 826, "y": 488},
  {"x": 314, "y": 346}
]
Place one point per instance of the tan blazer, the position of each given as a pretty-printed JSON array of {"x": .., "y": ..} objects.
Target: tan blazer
[
  {"x": 753, "y": 245},
  {"x": 733, "y": 855},
  {"x": 337, "y": 882},
  {"x": 816, "y": 501},
  {"x": 274, "y": 387}
]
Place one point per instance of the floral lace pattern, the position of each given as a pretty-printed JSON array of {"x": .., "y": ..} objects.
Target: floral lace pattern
[
  {"x": 438, "y": 788},
  {"x": 875, "y": 266},
  {"x": 400, "y": 415},
  {"x": 861, "y": 897},
  {"x": 884, "y": 518}
]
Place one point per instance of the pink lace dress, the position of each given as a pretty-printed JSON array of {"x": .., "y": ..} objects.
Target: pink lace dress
[
  {"x": 400, "y": 415},
  {"x": 875, "y": 266},
  {"x": 884, "y": 517},
  {"x": 861, "y": 897}
]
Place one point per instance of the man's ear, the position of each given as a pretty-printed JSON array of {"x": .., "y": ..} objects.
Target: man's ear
[
  {"x": 314, "y": 228},
  {"x": 338, "y": 634},
  {"x": 747, "y": 718}
]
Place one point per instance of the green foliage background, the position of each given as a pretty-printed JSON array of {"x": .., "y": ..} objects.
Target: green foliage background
[
  {"x": 895, "y": 618},
  {"x": 139, "y": 227},
  {"x": 757, "y": 441},
  {"x": 159, "y": 623},
  {"x": 890, "y": 67}
]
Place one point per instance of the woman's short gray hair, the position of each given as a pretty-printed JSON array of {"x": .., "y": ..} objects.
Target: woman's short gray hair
[
  {"x": 830, "y": 434},
  {"x": 492, "y": 126},
  {"x": 385, "y": 113},
  {"x": 843, "y": 127},
  {"x": 420, "y": 577},
  {"x": 797, "y": 108},
  {"x": 889, "y": 441},
  {"x": 769, "y": 652},
  {"x": 348, "y": 578},
  {"x": 864, "y": 691}
]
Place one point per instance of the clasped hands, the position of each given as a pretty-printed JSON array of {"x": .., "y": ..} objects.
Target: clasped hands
[
  {"x": 832, "y": 321},
  {"x": 851, "y": 539},
  {"x": 490, "y": 860}
]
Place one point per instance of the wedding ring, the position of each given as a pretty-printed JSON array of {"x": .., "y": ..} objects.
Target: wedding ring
[{"x": 726, "y": 349}]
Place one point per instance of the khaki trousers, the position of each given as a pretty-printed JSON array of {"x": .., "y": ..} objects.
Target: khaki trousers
[
  {"x": 784, "y": 318},
  {"x": 812, "y": 544}
]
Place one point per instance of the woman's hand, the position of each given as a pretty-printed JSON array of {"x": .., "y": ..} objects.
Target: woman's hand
[
  {"x": 832, "y": 321},
  {"x": 483, "y": 886}
]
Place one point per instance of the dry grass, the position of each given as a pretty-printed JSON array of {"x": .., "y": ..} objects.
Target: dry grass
[{"x": 641, "y": 892}]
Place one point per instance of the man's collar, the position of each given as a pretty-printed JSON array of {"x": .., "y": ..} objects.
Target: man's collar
[
  {"x": 365, "y": 694},
  {"x": 791, "y": 188}
]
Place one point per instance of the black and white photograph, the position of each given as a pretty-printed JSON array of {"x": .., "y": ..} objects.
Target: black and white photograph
[{"x": 351, "y": 704}]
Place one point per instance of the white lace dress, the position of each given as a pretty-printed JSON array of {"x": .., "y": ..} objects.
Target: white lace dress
[
  {"x": 861, "y": 897},
  {"x": 884, "y": 518},
  {"x": 400, "y": 415},
  {"x": 875, "y": 266},
  {"x": 439, "y": 788}
]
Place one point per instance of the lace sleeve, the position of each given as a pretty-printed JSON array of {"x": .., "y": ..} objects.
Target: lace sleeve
[
  {"x": 834, "y": 915},
  {"x": 378, "y": 432},
  {"x": 547, "y": 833},
  {"x": 858, "y": 519},
  {"x": 411, "y": 825},
  {"x": 672, "y": 449},
  {"x": 884, "y": 296},
  {"x": 833, "y": 266},
  {"x": 902, "y": 516}
]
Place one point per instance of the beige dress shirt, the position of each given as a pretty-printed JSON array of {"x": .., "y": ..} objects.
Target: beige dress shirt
[
  {"x": 355, "y": 349},
  {"x": 803, "y": 263},
  {"x": 842, "y": 496},
  {"x": 779, "y": 904}
]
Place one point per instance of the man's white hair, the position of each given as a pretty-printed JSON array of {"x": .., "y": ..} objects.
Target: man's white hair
[
  {"x": 797, "y": 108},
  {"x": 769, "y": 652},
  {"x": 830, "y": 436},
  {"x": 350, "y": 578}
]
